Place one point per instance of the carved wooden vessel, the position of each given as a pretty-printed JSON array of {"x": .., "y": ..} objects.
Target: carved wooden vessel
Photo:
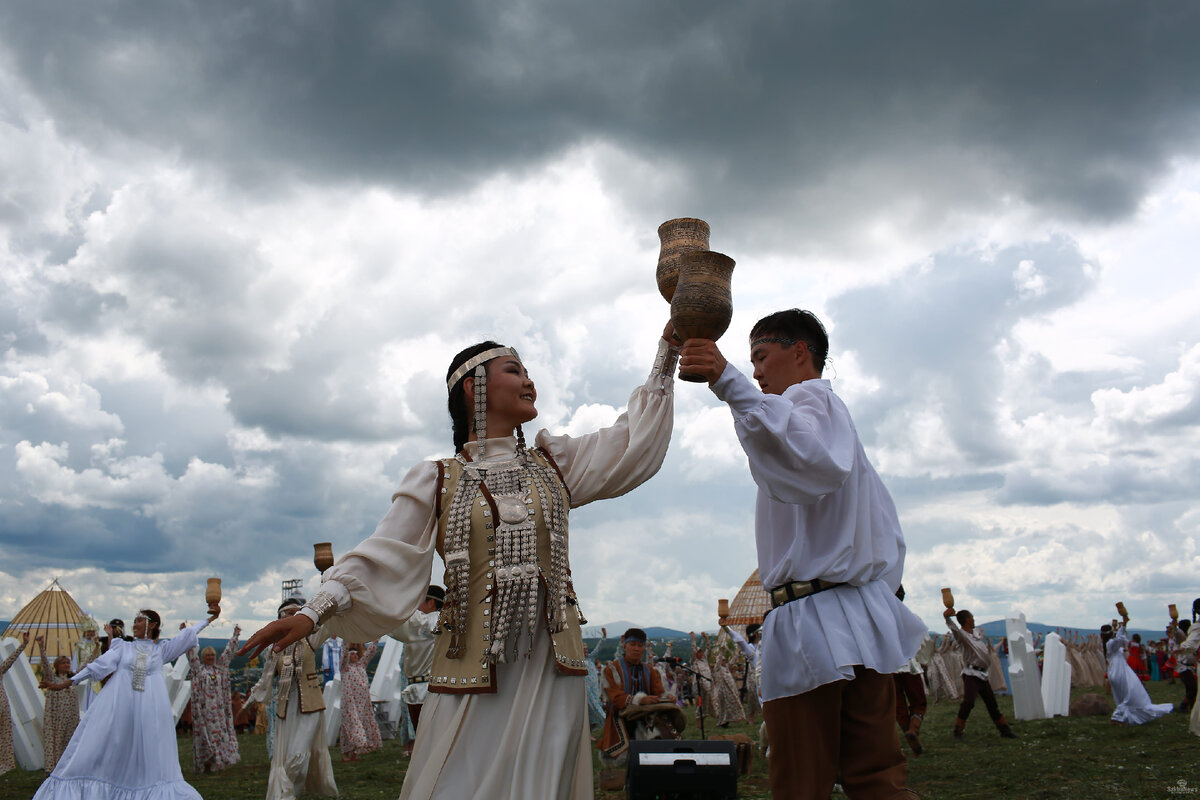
[
  {"x": 212, "y": 592},
  {"x": 677, "y": 236},
  {"x": 702, "y": 305},
  {"x": 323, "y": 555}
]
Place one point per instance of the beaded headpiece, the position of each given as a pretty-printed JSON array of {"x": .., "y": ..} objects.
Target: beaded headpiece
[{"x": 478, "y": 363}]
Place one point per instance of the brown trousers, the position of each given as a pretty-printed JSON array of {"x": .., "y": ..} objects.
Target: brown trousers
[
  {"x": 844, "y": 731},
  {"x": 910, "y": 700}
]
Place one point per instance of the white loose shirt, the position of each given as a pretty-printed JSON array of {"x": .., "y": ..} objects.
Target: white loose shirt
[{"x": 822, "y": 513}]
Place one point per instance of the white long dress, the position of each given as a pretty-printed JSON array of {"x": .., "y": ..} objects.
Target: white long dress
[
  {"x": 530, "y": 740},
  {"x": 125, "y": 744},
  {"x": 1133, "y": 703}
]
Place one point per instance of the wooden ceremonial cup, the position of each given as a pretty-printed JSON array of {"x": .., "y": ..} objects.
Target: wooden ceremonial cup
[
  {"x": 323, "y": 555},
  {"x": 1121, "y": 610},
  {"x": 212, "y": 593},
  {"x": 702, "y": 305},
  {"x": 677, "y": 236},
  {"x": 1173, "y": 611},
  {"x": 947, "y": 598},
  {"x": 722, "y": 608}
]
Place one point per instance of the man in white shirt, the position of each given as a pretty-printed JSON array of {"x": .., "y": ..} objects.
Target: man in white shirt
[
  {"x": 976, "y": 659},
  {"x": 830, "y": 554},
  {"x": 419, "y": 634}
]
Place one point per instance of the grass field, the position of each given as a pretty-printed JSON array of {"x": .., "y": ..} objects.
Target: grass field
[{"x": 1053, "y": 759}]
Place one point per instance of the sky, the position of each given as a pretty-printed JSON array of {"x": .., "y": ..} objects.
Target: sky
[{"x": 239, "y": 245}]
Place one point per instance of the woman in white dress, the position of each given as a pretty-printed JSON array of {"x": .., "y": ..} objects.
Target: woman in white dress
[
  {"x": 125, "y": 745},
  {"x": 1133, "y": 703},
  {"x": 506, "y": 717}
]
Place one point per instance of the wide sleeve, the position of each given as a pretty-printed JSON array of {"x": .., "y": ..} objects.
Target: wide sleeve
[
  {"x": 230, "y": 650},
  {"x": 258, "y": 694},
  {"x": 177, "y": 645},
  {"x": 12, "y": 658},
  {"x": 617, "y": 459},
  {"x": 800, "y": 445},
  {"x": 1193, "y": 639},
  {"x": 416, "y": 628},
  {"x": 193, "y": 661},
  {"x": 614, "y": 686},
  {"x": 746, "y": 648},
  {"x": 379, "y": 583},
  {"x": 100, "y": 667}
]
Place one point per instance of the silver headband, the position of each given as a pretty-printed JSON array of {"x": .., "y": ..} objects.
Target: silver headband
[{"x": 475, "y": 361}]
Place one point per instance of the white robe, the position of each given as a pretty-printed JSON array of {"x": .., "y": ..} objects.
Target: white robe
[
  {"x": 125, "y": 743},
  {"x": 530, "y": 740},
  {"x": 1133, "y": 703}
]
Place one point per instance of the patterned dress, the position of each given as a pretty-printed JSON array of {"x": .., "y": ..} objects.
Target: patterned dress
[
  {"x": 7, "y": 759},
  {"x": 360, "y": 732},
  {"x": 214, "y": 741},
  {"x": 727, "y": 705},
  {"x": 61, "y": 715}
]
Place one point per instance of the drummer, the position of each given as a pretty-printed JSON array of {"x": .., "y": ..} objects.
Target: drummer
[{"x": 628, "y": 683}]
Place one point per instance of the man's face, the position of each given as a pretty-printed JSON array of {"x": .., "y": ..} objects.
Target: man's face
[
  {"x": 634, "y": 650},
  {"x": 775, "y": 366}
]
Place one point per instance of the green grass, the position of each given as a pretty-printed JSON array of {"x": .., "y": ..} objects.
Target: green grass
[{"x": 1084, "y": 758}]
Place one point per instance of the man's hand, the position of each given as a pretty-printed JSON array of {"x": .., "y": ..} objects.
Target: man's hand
[
  {"x": 280, "y": 634},
  {"x": 650, "y": 700},
  {"x": 670, "y": 335},
  {"x": 701, "y": 357},
  {"x": 948, "y": 613}
]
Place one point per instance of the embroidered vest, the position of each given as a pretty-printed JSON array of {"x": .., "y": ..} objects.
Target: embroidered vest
[
  {"x": 460, "y": 663},
  {"x": 299, "y": 661}
]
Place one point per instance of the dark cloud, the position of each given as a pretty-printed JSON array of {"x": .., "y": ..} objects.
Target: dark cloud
[
  {"x": 931, "y": 337},
  {"x": 1071, "y": 106}
]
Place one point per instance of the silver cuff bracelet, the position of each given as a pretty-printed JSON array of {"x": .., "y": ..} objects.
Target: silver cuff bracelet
[
  {"x": 323, "y": 605},
  {"x": 666, "y": 359}
]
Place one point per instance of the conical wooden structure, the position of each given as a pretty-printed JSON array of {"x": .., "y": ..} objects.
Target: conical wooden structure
[
  {"x": 750, "y": 604},
  {"x": 53, "y": 613}
]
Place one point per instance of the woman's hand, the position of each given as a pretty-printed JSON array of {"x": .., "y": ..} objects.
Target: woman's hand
[{"x": 279, "y": 634}]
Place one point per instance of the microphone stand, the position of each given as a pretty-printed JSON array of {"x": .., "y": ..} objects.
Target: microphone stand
[{"x": 699, "y": 696}]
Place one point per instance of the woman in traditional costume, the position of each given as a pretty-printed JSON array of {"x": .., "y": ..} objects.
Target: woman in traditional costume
[
  {"x": 87, "y": 650},
  {"x": 300, "y": 761},
  {"x": 1133, "y": 703},
  {"x": 125, "y": 745},
  {"x": 7, "y": 759},
  {"x": 214, "y": 741},
  {"x": 61, "y": 715},
  {"x": 360, "y": 732},
  {"x": 507, "y": 714}
]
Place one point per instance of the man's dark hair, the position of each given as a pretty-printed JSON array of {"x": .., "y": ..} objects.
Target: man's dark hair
[
  {"x": 752, "y": 629},
  {"x": 1184, "y": 625},
  {"x": 961, "y": 616},
  {"x": 635, "y": 634},
  {"x": 796, "y": 325}
]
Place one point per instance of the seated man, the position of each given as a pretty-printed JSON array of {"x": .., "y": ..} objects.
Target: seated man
[{"x": 636, "y": 706}]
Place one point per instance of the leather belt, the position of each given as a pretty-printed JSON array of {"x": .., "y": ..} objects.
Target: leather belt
[
  {"x": 795, "y": 590},
  {"x": 419, "y": 679}
]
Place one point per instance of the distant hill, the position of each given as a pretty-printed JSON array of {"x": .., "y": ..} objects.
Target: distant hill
[
  {"x": 995, "y": 630},
  {"x": 615, "y": 629}
]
